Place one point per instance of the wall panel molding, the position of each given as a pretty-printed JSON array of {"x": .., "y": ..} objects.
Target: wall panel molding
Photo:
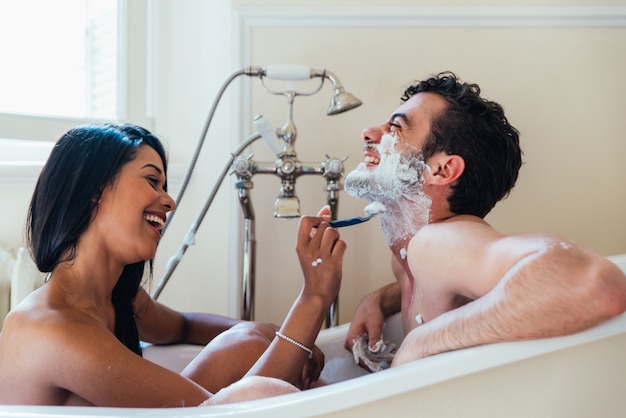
[
  {"x": 434, "y": 16},
  {"x": 244, "y": 19}
]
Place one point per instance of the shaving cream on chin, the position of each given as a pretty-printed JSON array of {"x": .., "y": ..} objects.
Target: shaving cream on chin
[{"x": 397, "y": 184}]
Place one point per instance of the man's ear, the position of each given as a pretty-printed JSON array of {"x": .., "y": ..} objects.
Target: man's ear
[{"x": 445, "y": 169}]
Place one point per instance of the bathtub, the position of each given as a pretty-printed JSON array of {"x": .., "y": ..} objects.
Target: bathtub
[{"x": 579, "y": 375}]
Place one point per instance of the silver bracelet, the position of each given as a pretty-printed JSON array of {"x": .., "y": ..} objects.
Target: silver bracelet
[{"x": 294, "y": 342}]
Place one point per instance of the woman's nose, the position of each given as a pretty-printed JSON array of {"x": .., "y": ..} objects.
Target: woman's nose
[{"x": 168, "y": 202}]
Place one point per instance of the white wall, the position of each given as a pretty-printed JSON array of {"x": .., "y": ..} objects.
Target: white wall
[
  {"x": 557, "y": 68},
  {"x": 556, "y": 74}
]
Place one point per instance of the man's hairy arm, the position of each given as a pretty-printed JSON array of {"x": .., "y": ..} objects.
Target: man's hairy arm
[{"x": 557, "y": 289}]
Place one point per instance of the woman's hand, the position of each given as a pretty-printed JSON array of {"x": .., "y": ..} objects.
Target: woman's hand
[
  {"x": 312, "y": 369},
  {"x": 321, "y": 257}
]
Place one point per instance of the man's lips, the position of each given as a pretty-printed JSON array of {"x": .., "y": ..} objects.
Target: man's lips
[{"x": 371, "y": 157}]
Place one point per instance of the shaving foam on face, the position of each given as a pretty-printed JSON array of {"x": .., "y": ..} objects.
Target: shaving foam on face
[
  {"x": 396, "y": 175},
  {"x": 374, "y": 208},
  {"x": 387, "y": 143},
  {"x": 397, "y": 184}
]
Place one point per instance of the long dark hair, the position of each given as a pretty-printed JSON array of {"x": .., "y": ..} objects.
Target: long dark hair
[
  {"x": 84, "y": 161},
  {"x": 476, "y": 129}
]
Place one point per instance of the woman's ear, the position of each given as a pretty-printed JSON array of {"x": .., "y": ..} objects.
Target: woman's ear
[{"x": 445, "y": 168}]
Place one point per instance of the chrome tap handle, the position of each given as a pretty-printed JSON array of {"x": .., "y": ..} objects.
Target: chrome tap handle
[
  {"x": 333, "y": 168},
  {"x": 243, "y": 167}
]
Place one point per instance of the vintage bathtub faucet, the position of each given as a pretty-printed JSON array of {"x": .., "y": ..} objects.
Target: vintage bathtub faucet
[{"x": 287, "y": 167}]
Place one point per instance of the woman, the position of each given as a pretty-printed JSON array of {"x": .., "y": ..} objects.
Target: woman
[{"x": 95, "y": 218}]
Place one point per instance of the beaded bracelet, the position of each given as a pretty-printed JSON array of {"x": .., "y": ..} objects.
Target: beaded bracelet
[{"x": 294, "y": 342}]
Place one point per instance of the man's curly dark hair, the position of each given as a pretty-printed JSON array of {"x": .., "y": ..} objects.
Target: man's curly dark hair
[{"x": 477, "y": 130}]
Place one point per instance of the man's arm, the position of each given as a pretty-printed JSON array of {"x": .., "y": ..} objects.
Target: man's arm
[
  {"x": 554, "y": 290},
  {"x": 369, "y": 317}
]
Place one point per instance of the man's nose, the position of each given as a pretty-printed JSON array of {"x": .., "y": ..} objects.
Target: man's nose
[{"x": 372, "y": 134}]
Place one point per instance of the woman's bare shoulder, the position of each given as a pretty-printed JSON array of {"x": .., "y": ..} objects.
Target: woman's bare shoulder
[
  {"x": 40, "y": 332},
  {"x": 70, "y": 350},
  {"x": 37, "y": 343}
]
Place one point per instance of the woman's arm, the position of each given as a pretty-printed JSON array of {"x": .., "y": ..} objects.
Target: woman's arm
[
  {"x": 321, "y": 257},
  {"x": 99, "y": 370},
  {"x": 159, "y": 324}
]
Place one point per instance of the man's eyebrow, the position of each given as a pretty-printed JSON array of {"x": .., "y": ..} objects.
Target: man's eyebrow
[
  {"x": 149, "y": 165},
  {"x": 401, "y": 116}
]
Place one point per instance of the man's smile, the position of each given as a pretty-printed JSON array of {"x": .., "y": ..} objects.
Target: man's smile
[{"x": 372, "y": 157}]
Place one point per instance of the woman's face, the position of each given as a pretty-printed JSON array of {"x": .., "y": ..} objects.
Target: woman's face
[{"x": 131, "y": 211}]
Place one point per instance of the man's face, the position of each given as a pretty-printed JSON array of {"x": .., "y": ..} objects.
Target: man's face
[
  {"x": 411, "y": 122},
  {"x": 393, "y": 163}
]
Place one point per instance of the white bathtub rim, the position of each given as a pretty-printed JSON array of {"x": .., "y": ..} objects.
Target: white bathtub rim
[{"x": 333, "y": 398}]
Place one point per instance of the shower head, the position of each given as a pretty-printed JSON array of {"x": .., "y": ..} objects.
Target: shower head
[{"x": 342, "y": 101}]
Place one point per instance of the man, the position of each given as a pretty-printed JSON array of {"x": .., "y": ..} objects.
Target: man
[{"x": 439, "y": 164}]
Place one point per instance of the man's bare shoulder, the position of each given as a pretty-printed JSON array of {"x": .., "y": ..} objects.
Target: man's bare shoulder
[
  {"x": 453, "y": 232},
  {"x": 465, "y": 232},
  {"x": 465, "y": 256}
]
